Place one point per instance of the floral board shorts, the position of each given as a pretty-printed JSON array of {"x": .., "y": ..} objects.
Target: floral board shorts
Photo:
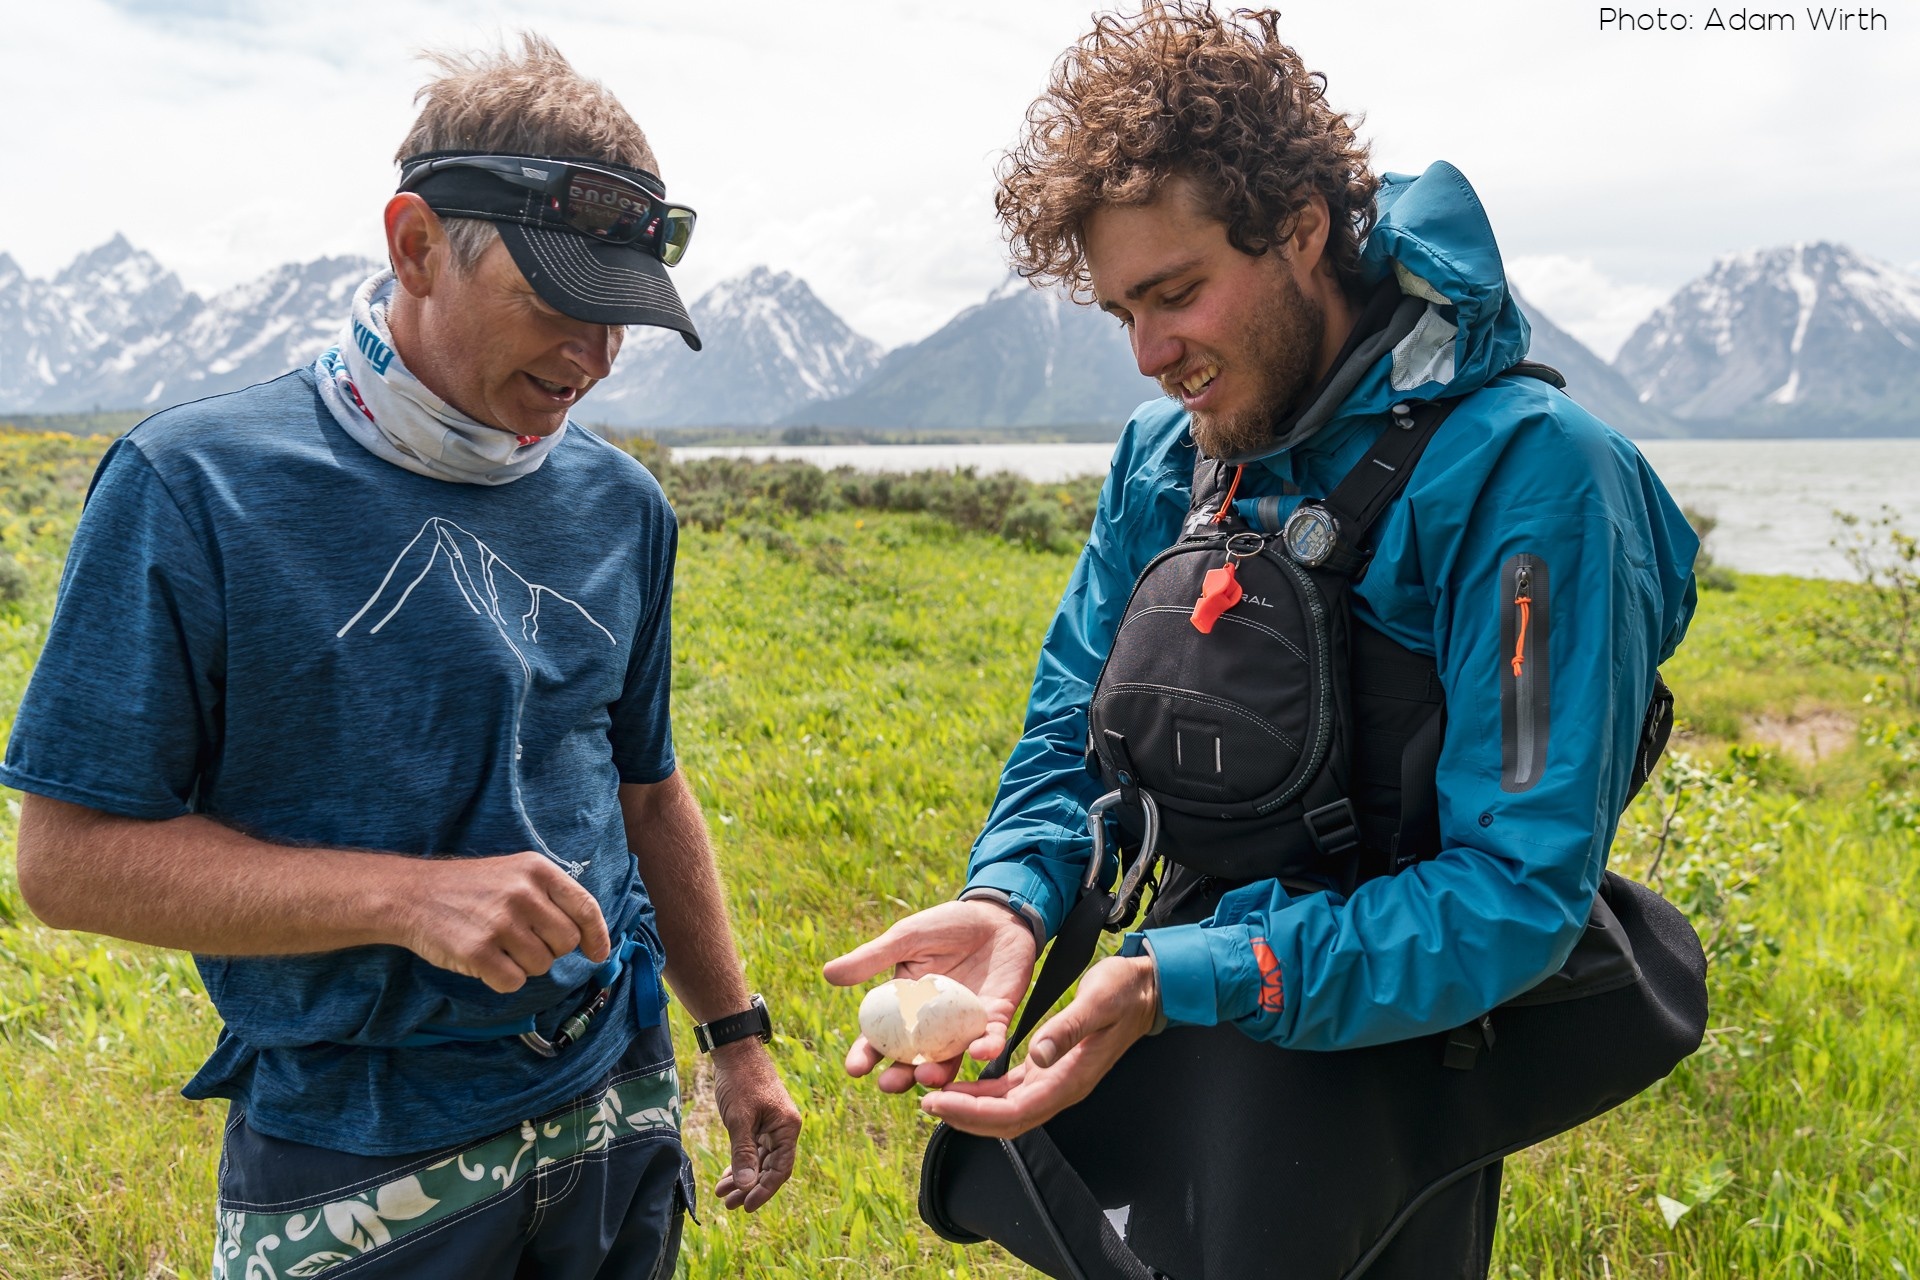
[{"x": 597, "y": 1187}]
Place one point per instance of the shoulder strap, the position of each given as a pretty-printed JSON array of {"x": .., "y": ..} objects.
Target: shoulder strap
[
  {"x": 1366, "y": 491},
  {"x": 1377, "y": 479},
  {"x": 1068, "y": 957},
  {"x": 1534, "y": 369},
  {"x": 1210, "y": 479}
]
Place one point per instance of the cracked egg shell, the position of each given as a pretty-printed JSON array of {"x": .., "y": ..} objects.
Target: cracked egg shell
[{"x": 926, "y": 1019}]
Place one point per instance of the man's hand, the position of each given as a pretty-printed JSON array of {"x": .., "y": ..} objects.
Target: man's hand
[
  {"x": 501, "y": 920},
  {"x": 760, "y": 1118},
  {"x": 193, "y": 884},
  {"x": 669, "y": 842},
  {"x": 1117, "y": 1003},
  {"x": 982, "y": 944}
]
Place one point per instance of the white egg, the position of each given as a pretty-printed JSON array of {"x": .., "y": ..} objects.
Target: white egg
[{"x": 926, "y": 1019}]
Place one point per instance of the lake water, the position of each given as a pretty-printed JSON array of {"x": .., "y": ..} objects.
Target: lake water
[{"x": 1774, "y": 499}]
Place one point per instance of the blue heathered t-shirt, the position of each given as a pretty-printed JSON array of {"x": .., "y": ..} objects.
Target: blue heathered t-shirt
[{"x": 262, "y": 622}]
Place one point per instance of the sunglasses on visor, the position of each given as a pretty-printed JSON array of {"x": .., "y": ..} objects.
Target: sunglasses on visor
[{"x": 616, "y": 208}]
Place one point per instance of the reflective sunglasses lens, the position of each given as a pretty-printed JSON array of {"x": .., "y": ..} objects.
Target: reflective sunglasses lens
[
  {"x": 604, "y": 208},
  {"x": 674, "y": 240}
]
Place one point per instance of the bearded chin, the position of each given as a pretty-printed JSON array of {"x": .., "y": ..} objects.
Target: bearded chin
[
  {"x": 1232, "y": 435},
  {"x": 1282, "y": 340}
]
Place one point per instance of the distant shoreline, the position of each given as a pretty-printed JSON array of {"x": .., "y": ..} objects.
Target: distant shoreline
[
  {"x": 118, "y": 421},
  {"x": 674, "y": 437}
]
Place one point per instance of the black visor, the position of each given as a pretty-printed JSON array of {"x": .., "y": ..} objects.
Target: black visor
[{"x": 578, "y": 271}]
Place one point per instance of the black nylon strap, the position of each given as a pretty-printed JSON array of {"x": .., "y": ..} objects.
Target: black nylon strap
[
  {"x": 1074, "y": 1223},
  {"x": 1067, "y": 959},
  {"x": 1211, "y": 479},
  {"x": 1078, "y": 1228},
  {"x": 1542, "y": 372},
  {"x": 1418, "y": 835},
  {"x": 1360, "y": 498},
  {"x": 1655, "y": 728}
]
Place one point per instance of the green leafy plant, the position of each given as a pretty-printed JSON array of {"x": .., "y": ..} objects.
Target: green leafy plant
[
  {"x": 1695, "y": 836},
  {"x": 709, "y": 493},
  {"x": 1892, "y": 797},
  {"x": 1035, "y": 523},
  {"x": 14, "y": 579},
  {"x": 1877, "y": 626},
  {"x": 1709, "y": 573}
]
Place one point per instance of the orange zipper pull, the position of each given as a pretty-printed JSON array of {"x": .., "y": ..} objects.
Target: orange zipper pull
[
  {"x": 1520, "y": 641},
  {"x": 1523, "y": 597}
]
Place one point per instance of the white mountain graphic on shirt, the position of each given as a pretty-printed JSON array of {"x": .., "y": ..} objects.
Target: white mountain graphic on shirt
[
  {"x": 493, "y": 590},
  {"x": 478, "y": 572}
]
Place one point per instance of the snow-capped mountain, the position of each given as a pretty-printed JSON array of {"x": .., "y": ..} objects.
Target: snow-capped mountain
[
  {"x": 1030, "y": 357},
  {"x": 115, "y": 330},
  {"x": 1809, "y": 339},
  {"x": 246, "y": 334},
  {"x": 1802, "y": 339},
  {"x": 53, "y": 331},
  {"x": 1024, "y": 357},
  {"x": 1591, "y": 381},
  {"x": 117, "y": 287},
  {"x": 768, "y": 346}
]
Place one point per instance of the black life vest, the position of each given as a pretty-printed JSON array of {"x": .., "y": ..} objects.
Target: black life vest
[
  {"x": 1246, "y": 734},
  {"x": 1292, "y": 742},
  {"x": 1287, "y": 740}
]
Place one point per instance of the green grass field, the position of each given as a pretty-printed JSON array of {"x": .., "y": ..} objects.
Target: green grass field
[{"x": 846, "y": 688}]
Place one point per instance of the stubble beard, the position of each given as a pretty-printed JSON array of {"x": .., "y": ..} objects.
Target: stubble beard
[{"x": 1281, "y": 348}]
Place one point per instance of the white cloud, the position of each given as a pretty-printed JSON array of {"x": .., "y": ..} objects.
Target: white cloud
[
  {"x": 1576, "y": 295},
  {"x": 852, "y": 141}
]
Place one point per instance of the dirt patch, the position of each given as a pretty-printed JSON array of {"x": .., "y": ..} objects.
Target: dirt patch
[
  {"x": 1808, "y": 737},
  {"x": 699, "y": 1116}
]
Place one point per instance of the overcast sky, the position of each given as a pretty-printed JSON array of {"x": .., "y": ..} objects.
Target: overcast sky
[{"x": 852, "y": 141}]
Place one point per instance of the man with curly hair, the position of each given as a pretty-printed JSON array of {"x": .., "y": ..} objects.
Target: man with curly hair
[{"x": 1184, "y": 171}]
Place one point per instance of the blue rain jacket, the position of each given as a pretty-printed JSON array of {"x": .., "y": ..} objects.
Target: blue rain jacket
[{"x": 1517, "y": 468}]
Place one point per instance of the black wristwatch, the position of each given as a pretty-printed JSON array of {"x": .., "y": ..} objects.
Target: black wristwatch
[{"x": 751, "y": 1021}]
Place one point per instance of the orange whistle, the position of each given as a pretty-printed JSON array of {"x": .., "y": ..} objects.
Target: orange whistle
[{"x": 1219, "y": 592}]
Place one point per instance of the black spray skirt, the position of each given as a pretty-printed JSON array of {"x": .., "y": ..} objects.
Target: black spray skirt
[{"x": 1238, "y": 1159}]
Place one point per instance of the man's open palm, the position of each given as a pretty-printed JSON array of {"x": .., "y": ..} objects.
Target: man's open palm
[{"x": 981, "y": 944}]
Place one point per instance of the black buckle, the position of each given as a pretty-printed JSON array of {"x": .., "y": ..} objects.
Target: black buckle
[
  {"x": 1124, "y": 772},
  {"x": 1465, "y": 1042},
  {"x": 1333, "y": 828}
]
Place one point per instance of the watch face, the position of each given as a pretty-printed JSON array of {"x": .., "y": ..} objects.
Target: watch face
[{"x": 1310, "y": 535}]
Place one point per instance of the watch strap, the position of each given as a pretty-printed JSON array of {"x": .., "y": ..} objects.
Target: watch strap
[
  {"x": 751, "y": 1021},
  {"x": 1028, "y": 913}
]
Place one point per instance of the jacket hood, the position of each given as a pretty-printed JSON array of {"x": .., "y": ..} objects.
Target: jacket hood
[{"x": 1458, "y": 329}]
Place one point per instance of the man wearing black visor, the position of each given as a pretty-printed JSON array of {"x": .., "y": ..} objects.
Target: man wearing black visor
[
  {"x": 593, "y": 238},
  {"x": 358, "y": 689}
]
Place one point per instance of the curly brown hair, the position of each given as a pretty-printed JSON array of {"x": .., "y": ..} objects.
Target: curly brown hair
[{"x": 1181, "y": 91}]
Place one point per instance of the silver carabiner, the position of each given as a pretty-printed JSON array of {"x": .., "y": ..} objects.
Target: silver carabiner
[{"x": 1149, "y": 844}]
